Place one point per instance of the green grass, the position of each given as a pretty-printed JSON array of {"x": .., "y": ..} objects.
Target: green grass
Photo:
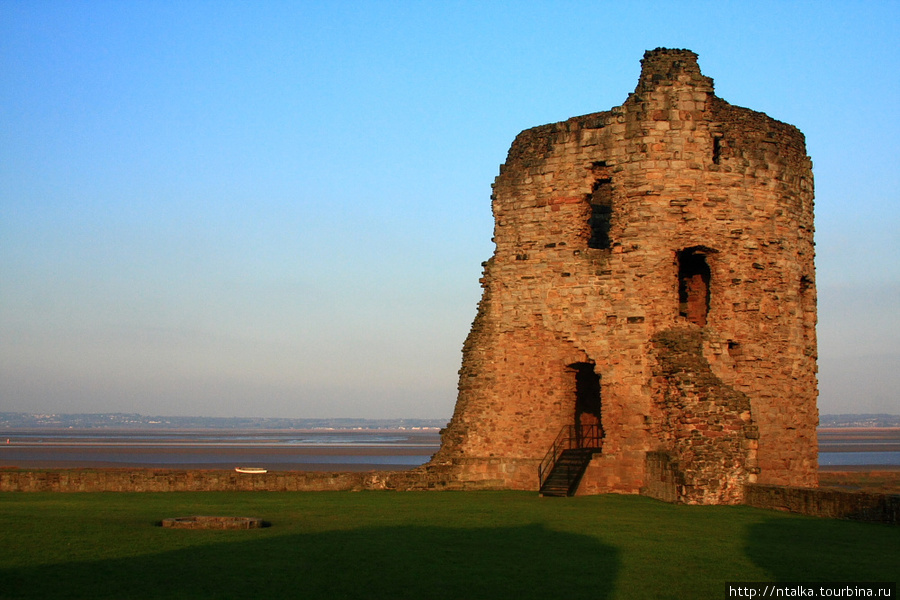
[{"x": 419, "y": 545}]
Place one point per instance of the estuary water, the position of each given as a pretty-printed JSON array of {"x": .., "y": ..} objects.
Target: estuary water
[
  {"x": 878, "y": 448},
  {"x": 322, "y": 450}
]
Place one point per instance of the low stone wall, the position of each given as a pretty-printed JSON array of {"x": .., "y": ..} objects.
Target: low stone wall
[
  {"x": 819, "y": 502},
  {"x": 167, "y": 480},
  {"x": 825, "y": 502}
]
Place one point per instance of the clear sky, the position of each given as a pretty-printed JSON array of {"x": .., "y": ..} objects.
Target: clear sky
[{"x": 281, "y": 208}]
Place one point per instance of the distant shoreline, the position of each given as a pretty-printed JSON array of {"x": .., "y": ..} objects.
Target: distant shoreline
[
  {"x": 129, "y": 421},
  {"x": 132, "y": 421}
]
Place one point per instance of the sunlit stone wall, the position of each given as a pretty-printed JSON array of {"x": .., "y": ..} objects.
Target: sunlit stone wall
[{"x": 667, "y": 242}]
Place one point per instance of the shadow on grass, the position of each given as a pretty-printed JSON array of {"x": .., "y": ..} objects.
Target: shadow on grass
[
  {"x": 797, "y": 549},
  {"x": 380, "y": 562}
]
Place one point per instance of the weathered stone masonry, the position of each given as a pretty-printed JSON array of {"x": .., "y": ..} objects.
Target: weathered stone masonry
[{"x": 653, "y": 273}]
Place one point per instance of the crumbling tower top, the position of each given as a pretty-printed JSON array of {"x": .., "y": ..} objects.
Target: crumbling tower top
[{"x": 663, "y": 67}]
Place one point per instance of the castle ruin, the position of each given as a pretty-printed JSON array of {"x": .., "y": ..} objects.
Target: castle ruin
[{"x": 648, "y": 316}]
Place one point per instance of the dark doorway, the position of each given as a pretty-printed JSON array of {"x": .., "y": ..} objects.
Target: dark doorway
[
  {"x": 693, "y": 285},
  {"x": 587, "y": 398}
]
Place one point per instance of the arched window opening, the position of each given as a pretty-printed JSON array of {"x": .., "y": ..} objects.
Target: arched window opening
[
  {"x": 717, "y": 149},
  {"x": 693, "y": 285},
  {"x": 600, "y": 219},
  {"x": 808, "y": 305}
]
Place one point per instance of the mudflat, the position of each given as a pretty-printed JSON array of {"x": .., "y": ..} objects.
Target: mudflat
[
  {"x": 859, "y": 439},
  {"x": 274, "y": 450},
  {"x": 882, "y": 482}
]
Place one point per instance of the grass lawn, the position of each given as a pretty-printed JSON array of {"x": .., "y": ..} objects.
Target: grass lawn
[{"x": 420, "y": 545}]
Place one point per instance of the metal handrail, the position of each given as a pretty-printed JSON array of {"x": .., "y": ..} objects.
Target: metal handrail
[
  {"x": 569, "y": 437},
  {"x": 553, "y": 454}
]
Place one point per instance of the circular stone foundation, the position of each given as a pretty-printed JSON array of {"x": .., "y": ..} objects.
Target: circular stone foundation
[{"x": 213, "y": 523}]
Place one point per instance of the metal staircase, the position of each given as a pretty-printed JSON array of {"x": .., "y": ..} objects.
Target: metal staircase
[{"x": 564, "y": 464}]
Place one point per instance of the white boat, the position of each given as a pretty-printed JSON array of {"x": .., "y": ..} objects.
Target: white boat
[{"x": 251, "y": 470}]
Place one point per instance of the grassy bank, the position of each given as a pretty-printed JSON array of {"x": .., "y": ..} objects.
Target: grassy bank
[{"x": 419, "y": 545}]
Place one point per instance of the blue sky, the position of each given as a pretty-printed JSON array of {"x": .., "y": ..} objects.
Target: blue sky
[{"x": 281, "y": 208}]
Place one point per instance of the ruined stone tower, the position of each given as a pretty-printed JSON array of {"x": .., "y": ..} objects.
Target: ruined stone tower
[{"x": 652, "y": 288}]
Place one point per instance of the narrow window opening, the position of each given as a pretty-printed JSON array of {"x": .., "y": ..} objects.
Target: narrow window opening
[
  {"x": 717, "y": 149},
  {"x": 600, "y": 219},
  {"x": 693, "y": 285},
  {"x": 587, "y": 399},
  {"x": 734, "y": 349},
  {"x": 805, "y": 283}
]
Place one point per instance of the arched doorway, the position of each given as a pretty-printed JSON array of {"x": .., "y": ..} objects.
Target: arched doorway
[{"x": 588, "y": 400}]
